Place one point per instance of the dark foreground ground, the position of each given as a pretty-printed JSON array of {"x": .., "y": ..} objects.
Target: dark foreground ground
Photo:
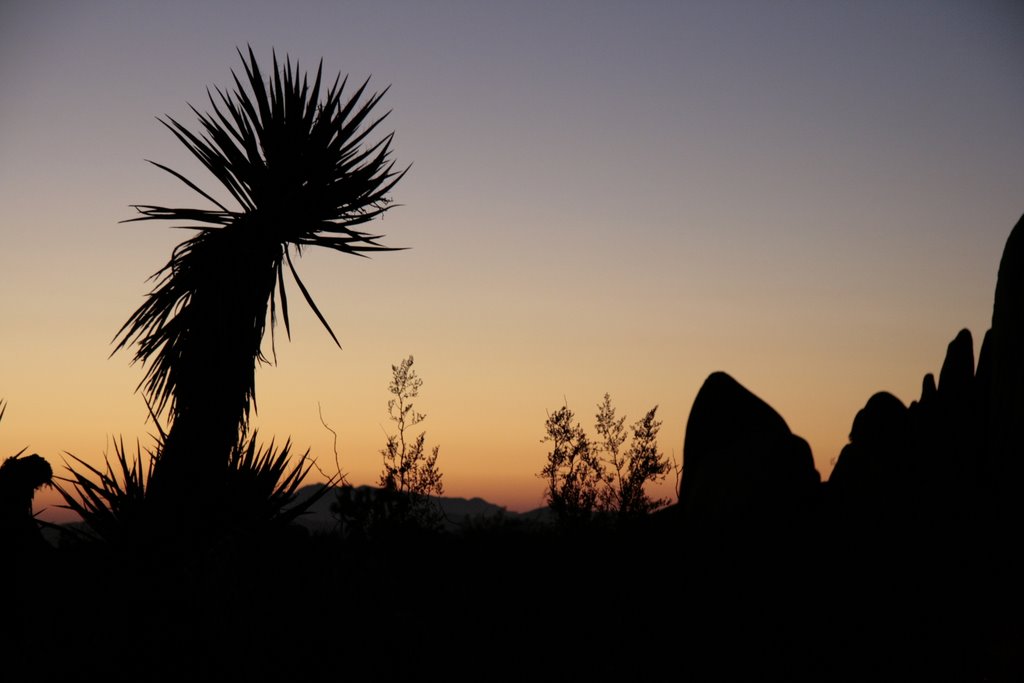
[{"x": 518, "y": 602}]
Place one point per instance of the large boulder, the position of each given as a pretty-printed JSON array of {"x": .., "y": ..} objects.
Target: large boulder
[
  {"x": 747, "y": 505},
  {"x": 743, "y": 469},
  {"x": 868, "y": 483}
]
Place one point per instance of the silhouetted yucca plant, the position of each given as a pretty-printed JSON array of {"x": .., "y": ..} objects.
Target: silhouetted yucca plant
[
  {"x": 112, "y": 501},
  {"x": 258, "y": 491},
  {"x": 260, "y": 488},
  {"x": 296, "y": 160}
]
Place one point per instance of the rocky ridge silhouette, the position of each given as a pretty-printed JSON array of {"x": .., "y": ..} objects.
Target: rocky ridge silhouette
[{"x": 917, "y": 524}]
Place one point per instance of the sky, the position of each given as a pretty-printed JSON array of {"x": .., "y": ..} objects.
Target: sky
[{"x": 603, "y": 197}]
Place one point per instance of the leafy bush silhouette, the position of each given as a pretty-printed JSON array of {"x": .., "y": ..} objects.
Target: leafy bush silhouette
[
  {"x": 573, "y": 471},
  {"x": 629, "y": 471},
  {"x": 580, "y": 483}
]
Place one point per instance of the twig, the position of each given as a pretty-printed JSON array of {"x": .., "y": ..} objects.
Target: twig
[
  {"x": 678, "y": 469},
  {"x": 341, "y": 476}
]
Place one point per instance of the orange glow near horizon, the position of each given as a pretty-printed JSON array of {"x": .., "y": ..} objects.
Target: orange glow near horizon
[
  {"x": 813, "y": 199},
  {"x": 489, "y": 448}
]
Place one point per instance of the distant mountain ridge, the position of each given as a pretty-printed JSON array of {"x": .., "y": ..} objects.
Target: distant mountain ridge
[
  {"x": 456, "y": 510},
  {"x": 319, "y": 518}
]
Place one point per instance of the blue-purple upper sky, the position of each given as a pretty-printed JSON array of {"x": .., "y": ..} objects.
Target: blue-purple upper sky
[{"x": 622, "y": 197}]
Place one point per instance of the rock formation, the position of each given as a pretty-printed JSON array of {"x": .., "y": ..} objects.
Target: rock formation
[
  {"x": 868, "y": 484},
  {"x": 1005, "y": 423},
  {"x": 953, "y": 462},
  {"x": 743, "y": 469}
]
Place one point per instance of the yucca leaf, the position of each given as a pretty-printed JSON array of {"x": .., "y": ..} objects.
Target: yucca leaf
[{"x": 309, "y": 300}]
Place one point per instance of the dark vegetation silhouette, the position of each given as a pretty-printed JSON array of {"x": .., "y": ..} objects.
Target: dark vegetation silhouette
[
  {"x": 573, "y": 470},
  {"x": 20, "y": 476},
  {"x": 295, "y": 158},
  {"x": 903, "y": 566},
  {"x": 628, "y": 472},
  {"x": 410, "y": 476},
  {"x": 581, "y": 484},
  {"x": 407, "y": 467}
]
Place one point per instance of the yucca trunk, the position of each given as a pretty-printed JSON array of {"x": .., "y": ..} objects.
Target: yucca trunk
[{"x": 223, "y": 322}]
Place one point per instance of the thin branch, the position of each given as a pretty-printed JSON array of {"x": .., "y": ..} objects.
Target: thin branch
[{"x": 342, "y": 477}]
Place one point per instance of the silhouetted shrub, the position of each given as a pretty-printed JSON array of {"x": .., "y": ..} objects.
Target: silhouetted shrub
[
  {"x": 629, "y": 472},
  {"x": 581, "y": 483},
  {"x": 573, "y": 471}
]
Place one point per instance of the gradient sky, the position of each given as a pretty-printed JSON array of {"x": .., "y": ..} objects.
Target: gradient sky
[{"x": 604, "y": 197}]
